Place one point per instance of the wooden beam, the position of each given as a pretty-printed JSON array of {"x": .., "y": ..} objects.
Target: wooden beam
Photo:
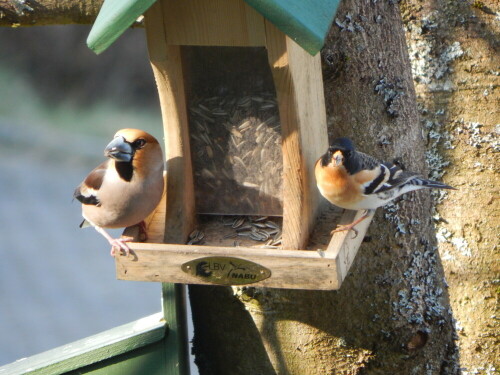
[
  {"x": 344, "y": 245},
  {"x": 299, "y": 88},
  {"x": 167, "y": 67},
  {"x": 291, "y": 269}
]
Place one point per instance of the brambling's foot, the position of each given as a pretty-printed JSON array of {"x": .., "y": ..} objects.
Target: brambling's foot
[{"x": 348, "y": 227}]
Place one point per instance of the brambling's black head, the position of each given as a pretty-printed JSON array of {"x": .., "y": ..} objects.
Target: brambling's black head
[
  {"x": 339, "y": 153},
  {"x": 344, "y": 144}
]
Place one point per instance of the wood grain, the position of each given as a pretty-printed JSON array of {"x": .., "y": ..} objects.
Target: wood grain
[
  {"x": 344, "y": 245},
  {"x": 294, "y": 269},
  {"x": 212, "y": 23},
  {"x": 167, "y": 67},
  {"x": 299, "y": 88}
]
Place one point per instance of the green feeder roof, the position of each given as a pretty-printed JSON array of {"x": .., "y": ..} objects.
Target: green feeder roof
[{"x": 305, "y": 21}]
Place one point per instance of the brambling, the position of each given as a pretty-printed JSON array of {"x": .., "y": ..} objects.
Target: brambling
[
  {"x": 356, "y": 181},
  {"x": 126, "y": 188}
]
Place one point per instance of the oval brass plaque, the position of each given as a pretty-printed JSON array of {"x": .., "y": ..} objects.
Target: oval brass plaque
[{"x": 226, "y": 270}]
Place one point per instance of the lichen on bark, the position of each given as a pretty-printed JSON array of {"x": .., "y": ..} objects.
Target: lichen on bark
[{"x": 454, "y": 48}]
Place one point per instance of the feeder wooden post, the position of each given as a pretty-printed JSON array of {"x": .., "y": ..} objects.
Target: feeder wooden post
[
  {"x": 167, "y": 67},
  {"x": 299, "y": 88}
]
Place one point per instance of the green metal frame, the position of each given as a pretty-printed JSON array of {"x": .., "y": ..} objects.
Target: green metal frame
[{"x": 156, "y": 344}]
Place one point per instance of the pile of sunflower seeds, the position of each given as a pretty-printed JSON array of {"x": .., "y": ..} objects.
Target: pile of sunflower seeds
[
  {"x": 237, "y": 155},
  {"x": 260, "y": 229},
  {"x": 256, "y": 228}
]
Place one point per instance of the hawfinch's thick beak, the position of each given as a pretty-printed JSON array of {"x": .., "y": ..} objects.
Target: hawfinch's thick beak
[{"x": 119, "y": 149}]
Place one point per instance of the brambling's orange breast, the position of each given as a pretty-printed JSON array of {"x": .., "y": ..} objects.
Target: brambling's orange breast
[{"x": 336, "y": 185}]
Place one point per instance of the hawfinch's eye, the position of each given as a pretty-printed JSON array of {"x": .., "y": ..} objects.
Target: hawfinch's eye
[{"x": 139, "y": 143}]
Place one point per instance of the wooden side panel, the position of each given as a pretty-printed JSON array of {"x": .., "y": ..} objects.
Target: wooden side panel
[
  {"x": 291, "y": 269},
  {"x": 167, "y": 68},
  {"x": 344, "y": 245},
  {"x": 299, "y": 88},
  {"x": 212, "y": 23}
]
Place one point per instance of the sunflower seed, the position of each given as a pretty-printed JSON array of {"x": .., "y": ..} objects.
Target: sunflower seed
[
  {"x": 268, "y": 140},
  {"x": 250, "y": 185},
  {"x": 203, "y": 107},
  {"x": 255, "y": 237},
  {"x": 259, "y": 219},
  {"x": 194, "y": 234},
  {"x": 209, "y": 151},
  {"x": 244, "y": 228},
  {"x": 245, "y": 125},
  {"x": 271, "y": 224},
  {"x": 206, "y": 173},
  {"x": 238, "y": 222},
  {"x": 244, "y": 102},
  {"x": 247, "y": 155},
  {"x": 238, "y": 159},
  {"x": 265, "y": 106},
  {"x": 259, "y": 225},
  {"x": 219, "y": 112},
  {"x": 260, "y": 126},
  {"x": 236, "y": 133}
]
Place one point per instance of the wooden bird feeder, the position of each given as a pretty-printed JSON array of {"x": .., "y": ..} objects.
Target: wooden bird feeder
[{"x": 213, "y": 140}]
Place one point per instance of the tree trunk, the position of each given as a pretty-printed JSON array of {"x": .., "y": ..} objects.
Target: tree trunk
[
  {"x": 392, "y": 314},
  {"x": 16, "y": 13},
  {"x": 455, "y": 49}
]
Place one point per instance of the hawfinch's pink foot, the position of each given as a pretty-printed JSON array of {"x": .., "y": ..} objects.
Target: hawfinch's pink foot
[{"x": 119, "y": 244}]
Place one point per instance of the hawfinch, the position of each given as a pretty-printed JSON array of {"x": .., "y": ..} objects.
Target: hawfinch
[
  {"x": 356, "y": 181},
  {"x": 126, "y": 188}
]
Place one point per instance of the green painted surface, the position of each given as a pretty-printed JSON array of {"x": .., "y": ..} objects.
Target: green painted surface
[
  {"x": 145, "y": 346},
  {"x": 113, "y": 19},
  {"x": 148, "y": 360},
  {"x": 305, "y": 21},
  {"x": 108, "y": 344},
  {"x": 174, "y": 310}
]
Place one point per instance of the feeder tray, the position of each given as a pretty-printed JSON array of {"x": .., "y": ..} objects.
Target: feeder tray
[
  {"x": 201, "y": 119},
  {"x": 228, "y": 260}
]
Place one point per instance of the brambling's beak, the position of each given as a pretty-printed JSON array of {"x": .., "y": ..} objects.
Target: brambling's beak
[{"x": 338, "y": 159}]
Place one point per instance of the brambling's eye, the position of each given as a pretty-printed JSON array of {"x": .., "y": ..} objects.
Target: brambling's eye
[{"x": 139, "y": 143}]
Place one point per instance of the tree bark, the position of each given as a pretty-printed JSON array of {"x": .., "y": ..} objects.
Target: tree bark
[
  {"x": 454, "y": 48},
  {"x": 15, "y": 13},
  {"x": 392, "y": 314}
]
